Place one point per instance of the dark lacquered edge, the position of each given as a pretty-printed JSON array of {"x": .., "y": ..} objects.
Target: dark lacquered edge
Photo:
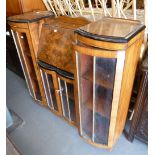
[
  {"x": 30, "y": 21},
  {"x": 110, "y": 38},
  {"x": 53, "y": 68}
]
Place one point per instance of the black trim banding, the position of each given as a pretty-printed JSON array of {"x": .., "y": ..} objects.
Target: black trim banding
[
  {"x": 53, "y": 68},
  {"x": 20, "y": 20},
  {"x": 110, "y": 38}
]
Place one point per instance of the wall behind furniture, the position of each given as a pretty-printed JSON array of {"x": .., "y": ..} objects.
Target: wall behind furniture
[{"x": 14, "y": 7}]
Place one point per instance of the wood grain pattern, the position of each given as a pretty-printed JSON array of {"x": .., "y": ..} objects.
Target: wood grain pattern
[
  {"x": 101, "y": 44},
  {"x": 56, "y": 42},
  {"x": 132, "y": 58},
  {"x": 95, "y": 51},
  {"x": 36, "y": 68},
  {"x": 116, "y": 96},
  {"x": 111, "y": 30},
  {"x": 18, "y": 25}
]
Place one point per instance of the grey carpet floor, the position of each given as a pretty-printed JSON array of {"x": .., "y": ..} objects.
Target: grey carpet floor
[{"x": 43, "y": 133}]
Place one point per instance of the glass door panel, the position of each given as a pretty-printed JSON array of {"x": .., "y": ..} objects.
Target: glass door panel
[
  {"x": 86, "y": 91},
  {"x": 27, "y": 63},
  {"x": 49, "y": 90},
  {"x": 67, "y": 99},
  {"x": 104, "y": 81},
  {"x": 96, "y": 79},
  {"x": 70, "y": 89}
]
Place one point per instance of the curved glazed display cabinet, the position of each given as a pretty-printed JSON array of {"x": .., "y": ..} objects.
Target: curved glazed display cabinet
[
  {"x": 26, "y": 29},
  {"x": 106, "y": 56}
]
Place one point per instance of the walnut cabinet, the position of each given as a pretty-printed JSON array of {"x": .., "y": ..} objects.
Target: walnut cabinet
[
  {"x": 25, "y": 30},
  {"x": 106, "y": 54},
  {"x": 59, "y": 91},
  {"x": 82, "y": 71}
]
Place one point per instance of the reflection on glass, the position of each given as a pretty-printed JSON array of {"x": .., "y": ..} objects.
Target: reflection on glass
[
  {"x": 86, "y": 89},
  {"x": 96, "y": 80},
  {"x": 67, "y": 99},
  {"x": 70, "y": 90},
  {"x": 27, "y": 64},
  {"x": 104, "y": 73},
  {"x": 49, "y": 90}
]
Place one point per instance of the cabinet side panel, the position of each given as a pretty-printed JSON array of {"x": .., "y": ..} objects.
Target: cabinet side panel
[
  {"x": 32, "y": 41},
  {"x": 131, "y": 61},
  {"x": 35, "y": 30}
]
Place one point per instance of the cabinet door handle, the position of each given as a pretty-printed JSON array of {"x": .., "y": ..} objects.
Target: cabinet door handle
[{"x": 59, "y": 90}]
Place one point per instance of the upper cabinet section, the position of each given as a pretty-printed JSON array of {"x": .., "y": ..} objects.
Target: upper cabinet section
[
  {"x": 30, "y": 17},
  {"x": 111, "y": 30},
  {"x": 55, "y": 47}
]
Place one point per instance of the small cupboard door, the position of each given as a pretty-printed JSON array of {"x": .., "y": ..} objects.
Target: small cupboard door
[
  {"x": 24, "y": 53},
  {"x": 59, "y": 93},
  {"x": 66, "y": 88},
  {"x": 50, "y": 84},
  {"x": 96, "y": 75}
]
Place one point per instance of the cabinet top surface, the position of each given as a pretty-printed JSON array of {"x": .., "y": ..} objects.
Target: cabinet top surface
[
  {"x": 111, "y": 30},
  {"x": 67, "y": 22},
  {"x": 30, "y": 17}
]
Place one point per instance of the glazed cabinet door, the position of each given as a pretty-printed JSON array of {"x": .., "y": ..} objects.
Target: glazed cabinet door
[
  {"x": 24, "y": 53},
  {"x": 66, "y": 87},
  {"x": 51, "y": 89},
  {"x": 96, "y": 74}
]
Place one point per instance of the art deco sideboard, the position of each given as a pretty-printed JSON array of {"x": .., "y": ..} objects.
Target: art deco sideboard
[
  {"x": 82, "y": 71},
  {"x": 26, "y": 29},
  {"x": 106, "y": 55}
]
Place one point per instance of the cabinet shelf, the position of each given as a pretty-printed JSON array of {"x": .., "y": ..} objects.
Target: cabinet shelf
[
  {"x": 101, "y": 78},
  {"x": 101, "y": 128},
  {"x": 100, "y": 109},
  {"x": 102, "y": 100}
]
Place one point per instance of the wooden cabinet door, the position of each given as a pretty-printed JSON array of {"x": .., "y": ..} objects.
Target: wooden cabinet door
[
  {"x": 51, "y": 89},
  {"x": 59, "y": 89},
  {"x": 99, "y": 74},
  {"x": 66, "y": 87}
]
